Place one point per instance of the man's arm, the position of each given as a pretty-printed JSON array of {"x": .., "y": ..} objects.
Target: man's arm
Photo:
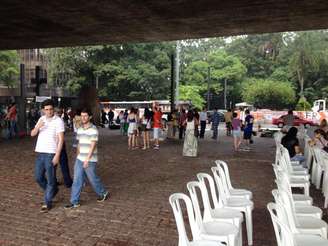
[
  {"x": 60, "y": 144},
  {"x": 92, "y": 148},
  {"x": 37, "y": 128}
]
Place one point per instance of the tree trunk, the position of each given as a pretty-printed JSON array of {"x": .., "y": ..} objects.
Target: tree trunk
[{"x": 301, "y": 81}]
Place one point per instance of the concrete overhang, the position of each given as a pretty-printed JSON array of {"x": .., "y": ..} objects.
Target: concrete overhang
[{"x": 37, "y": 24}]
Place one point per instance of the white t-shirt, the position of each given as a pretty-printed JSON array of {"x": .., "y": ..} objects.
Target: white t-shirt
[
  {"x": 202, "y": 116},
  {"x": 47, "y": 139}
]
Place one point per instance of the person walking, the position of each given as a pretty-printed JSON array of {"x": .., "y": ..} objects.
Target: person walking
[
  {"x": 146, "y": 127},
  {"x": 182, "y": 120},
  {"x": 202, "y": 119},
  {"x": 157, "y": 119},
  {"x": 215, "y": 123},
  {"x": 248, "y": 129},
  {"x": 190, "y": 144},
  {"x": 50, "y": 130},
  {"x": 86, "y": 162},
  {"x": 11, "y": 117},
  {"x": 236, "y": 131},
  {"x": 228, "y": 120},
  {"x": 132, "y": 130}
]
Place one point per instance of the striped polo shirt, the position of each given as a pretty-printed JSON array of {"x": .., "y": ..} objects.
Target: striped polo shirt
[
  {"x": 85, "y": 136},
  {"x": 48, "y": 134}
]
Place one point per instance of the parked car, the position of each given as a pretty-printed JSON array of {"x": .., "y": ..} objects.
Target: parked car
[{"x": 297, "y": 121}]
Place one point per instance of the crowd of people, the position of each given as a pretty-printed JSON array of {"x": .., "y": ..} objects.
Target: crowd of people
[
  {"x": 140, "y": 127},
  {"x": 189, "y": 125}
]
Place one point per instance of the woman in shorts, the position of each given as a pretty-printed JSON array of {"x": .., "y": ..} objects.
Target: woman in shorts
[
  {"x": 236, "y": 131},
  {"x": 132, "y": 120},
  {"x": 145, "y": 128}
]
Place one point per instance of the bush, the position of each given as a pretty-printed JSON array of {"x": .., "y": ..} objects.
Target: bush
[{"x": 303, "y": 105}]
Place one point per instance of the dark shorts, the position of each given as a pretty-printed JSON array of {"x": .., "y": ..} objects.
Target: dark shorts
[
  {"x": 229, "y": 125},
  {"x": 247, "y": 134}
]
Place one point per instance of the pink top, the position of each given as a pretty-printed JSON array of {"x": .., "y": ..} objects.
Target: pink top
[{"x": 236, "y": 124}]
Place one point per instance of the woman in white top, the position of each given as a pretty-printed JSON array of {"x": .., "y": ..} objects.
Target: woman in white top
[
  {"x": 190, "y": 145},
  {"x": 132, "y": 120}
]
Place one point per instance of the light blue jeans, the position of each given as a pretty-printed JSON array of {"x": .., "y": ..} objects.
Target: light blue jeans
[
  {"x": 44, "y": 174},
  {"x": 79, "y": 175},
  {"x": 299, "y": 158}
]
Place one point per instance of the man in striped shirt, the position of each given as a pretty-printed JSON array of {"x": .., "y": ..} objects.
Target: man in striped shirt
[{"x": 86, "y": 162}]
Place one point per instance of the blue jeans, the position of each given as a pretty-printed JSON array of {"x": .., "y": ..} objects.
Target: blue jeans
[
  {"x": 299, "y": 158},
  {"x": 44, "y": 174},
  {"x": 79, "y": 175},
  {"x": 64, "y": 167}
]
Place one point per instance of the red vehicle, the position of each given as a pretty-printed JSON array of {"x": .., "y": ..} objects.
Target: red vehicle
[{"x": 297, "y": 121}]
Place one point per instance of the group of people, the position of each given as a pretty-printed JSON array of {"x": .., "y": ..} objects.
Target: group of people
[
  {"x": 291, "y": 142},
  {"x": 240, "y": 127},
  {"x": 50, "y": 144},
  {"x": 8, "y": 121}
]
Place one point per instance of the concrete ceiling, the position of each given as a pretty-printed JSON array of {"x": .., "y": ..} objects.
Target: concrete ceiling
[{"x": 37, "y": 23}]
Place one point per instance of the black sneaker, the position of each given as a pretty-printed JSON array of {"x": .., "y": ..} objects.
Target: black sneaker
[
  {"x": 45, "y": 208},
  {"x": 70, "y": 206},
  {"x": 104, "y": 197}
]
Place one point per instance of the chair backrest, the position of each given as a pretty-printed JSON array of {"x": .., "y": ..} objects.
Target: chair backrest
[
  {"x": 289, "y": 214},
  {"x": 202, "y": 177},
  {"x": 224, "y": 165},
  {"x": 191, "y": 186},
  {"x": 178, "y": 215},
  {"x": 318, "y": 155},
  {"x": 218, "y": 177},
  {"x": 283, "y": 234}
]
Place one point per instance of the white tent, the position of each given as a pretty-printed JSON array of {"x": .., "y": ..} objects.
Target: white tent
[{"x": 243, "y": 104}]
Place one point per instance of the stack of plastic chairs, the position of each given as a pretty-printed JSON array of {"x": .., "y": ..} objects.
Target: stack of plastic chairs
[
  {"x": 296, "y": 221},
  {"x": 220, "y": 224},
  {"x": 316, "y": 161}
]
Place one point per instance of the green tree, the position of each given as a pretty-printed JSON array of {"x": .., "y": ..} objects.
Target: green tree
[
  {"x": 305, "y": 58},
  {"x": 9, "y": 68},
  {"x": 192, "y": 93},
  {"x": 303, "y": 104},
  {"x": 268, "y": 93}
]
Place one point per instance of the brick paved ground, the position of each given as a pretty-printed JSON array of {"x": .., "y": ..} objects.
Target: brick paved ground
[{"x": 140, "y": 182}]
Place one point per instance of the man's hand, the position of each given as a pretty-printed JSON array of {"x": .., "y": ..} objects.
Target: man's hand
[
  {"x": 86, "y": 164},
  {"x": 55, "y": 160},
  {"x": 39, "y": 125}
]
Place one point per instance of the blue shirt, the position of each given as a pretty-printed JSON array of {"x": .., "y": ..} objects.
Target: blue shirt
[{"x": 249, "y": 123}]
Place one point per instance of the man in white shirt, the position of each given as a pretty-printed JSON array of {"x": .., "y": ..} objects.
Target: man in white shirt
[
  {"x": 50, "y": 130},
  {"x": 202, "y": 119}
]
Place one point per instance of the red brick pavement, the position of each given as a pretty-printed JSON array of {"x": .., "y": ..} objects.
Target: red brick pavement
[{"x": 140, "y": 182}]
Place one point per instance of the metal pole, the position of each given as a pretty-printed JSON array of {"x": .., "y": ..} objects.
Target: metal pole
[
  {"x": 177, "y": 72},
  {"x": 208, "y": 87},
  {"x": 172, "y": 83},
  {"x": 225, "y": 93},
  {"x": 97, "y": 81}
]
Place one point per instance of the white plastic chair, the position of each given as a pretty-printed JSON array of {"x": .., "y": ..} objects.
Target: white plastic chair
[
  {"x": 318, "y": 168},
  {"x": 216, "y": 213},
  {"x": 178, "y": 215},
  {"x": 299, "y": 199},
  {"x": 233, "y": 191},
  {"x": 224, "y": 232},
  {"x": 301, "y": 224},
  {"x": 303, "y": 210},
  {"x": 238, "y": 203},
  {"x": 295, "y": 171},
  {"x": 285, "y": 237}
]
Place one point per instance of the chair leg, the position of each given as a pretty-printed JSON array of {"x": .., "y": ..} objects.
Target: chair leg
[
  {"x": 307, "y": 189},
  {"x": 249, "y": 225},
  {"x": 232, "y": 241}
]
